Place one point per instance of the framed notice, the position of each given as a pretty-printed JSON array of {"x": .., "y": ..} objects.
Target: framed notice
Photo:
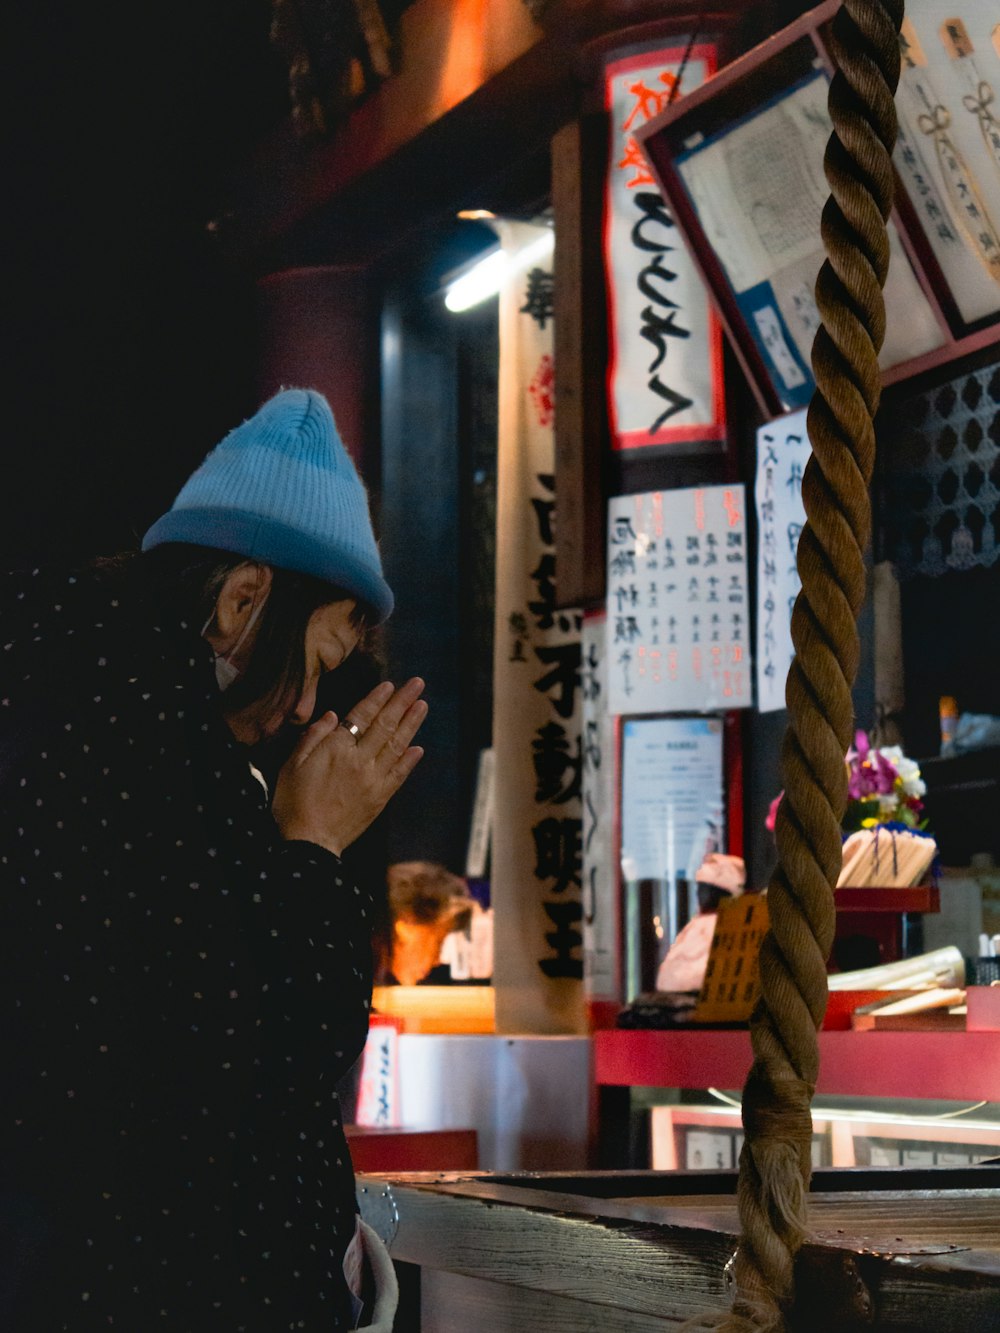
[
  {"x": 672, "y": 811},
  {"x": 672, "y": 817},
  {"x": 740, "y": 163},
  {"x": 678, "y": 602},
  {"x": 758, "y": 189}
]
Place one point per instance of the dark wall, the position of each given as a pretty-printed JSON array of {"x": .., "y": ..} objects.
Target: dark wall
[
  {"x": 439, "y": 440},
  {"x": 318, "y": 326},
  {"x": 128, "y": 341}
]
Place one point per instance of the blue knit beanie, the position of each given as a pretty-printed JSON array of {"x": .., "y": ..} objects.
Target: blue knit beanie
[{"x": 282, "y": 489}]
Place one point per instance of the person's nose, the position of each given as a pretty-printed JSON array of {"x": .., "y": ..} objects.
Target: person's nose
[{"x": 306, "y": 706}]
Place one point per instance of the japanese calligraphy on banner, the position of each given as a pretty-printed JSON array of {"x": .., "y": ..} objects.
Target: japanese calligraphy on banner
[
  {"x": 948, "y": 146},
  {"x": 782, "y": 453},
  {"x": 600, "y": 879},
  {"x": 665, "y": 368},
  {"x": 536, "y": 856},
  {"x": 678, "y": 625}
]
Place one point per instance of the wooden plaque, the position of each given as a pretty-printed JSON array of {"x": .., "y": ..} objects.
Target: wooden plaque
[{"x": 729, "y": 991}]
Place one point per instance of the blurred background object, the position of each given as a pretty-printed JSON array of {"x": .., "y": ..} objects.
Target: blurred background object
[{"x": 429, "y": 908}]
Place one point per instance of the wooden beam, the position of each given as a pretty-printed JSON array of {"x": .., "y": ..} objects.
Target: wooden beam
[
  {"x": 450, "y": 50},
  {"x": 578, "y": 169},
  {"x": 480, "y": 83}
]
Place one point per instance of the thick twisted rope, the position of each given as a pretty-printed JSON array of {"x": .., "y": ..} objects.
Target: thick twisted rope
[{"x": 775, "y": 1164}]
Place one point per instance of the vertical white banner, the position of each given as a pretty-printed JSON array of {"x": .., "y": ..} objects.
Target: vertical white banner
[
  {"x": 537, "y": 827},
  {"x": 601, "y": 953},
  {"x": 678, "y": 615},
  {"x": 482, "y": 818},
  {"x": 665, "y": 382},
  {"x": 782, "y": 453}
]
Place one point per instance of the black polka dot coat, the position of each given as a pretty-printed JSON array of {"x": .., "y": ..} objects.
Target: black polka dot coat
[{"x": 181, "y": 991}]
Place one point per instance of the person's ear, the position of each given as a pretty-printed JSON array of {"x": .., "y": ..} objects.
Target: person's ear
[{"x": 245, "y": 588}]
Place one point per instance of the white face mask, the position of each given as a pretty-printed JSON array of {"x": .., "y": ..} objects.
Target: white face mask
[{"x": 226, "y": 671}]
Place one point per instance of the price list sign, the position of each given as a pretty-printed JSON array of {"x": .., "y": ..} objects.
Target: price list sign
[{"x": 678, "y": 629}]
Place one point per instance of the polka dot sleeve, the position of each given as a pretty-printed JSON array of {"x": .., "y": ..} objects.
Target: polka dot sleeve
[
  {"x": 317, "y": 926},
  {"x": 179, "y": 993}
]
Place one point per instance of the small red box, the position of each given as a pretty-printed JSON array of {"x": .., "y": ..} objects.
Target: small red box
[
  {"x": 983, "y": 1009},
  {"x": 841, "y": 1004}
]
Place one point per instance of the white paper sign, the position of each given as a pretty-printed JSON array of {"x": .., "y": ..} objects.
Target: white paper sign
[
  {"x": 782, "y": 453},
  {"x": 678, "y": 623},
  {"x": 600, "y": 875},
  {"x": 482, "y": 817},
  {"x": 665, "y": 379},
  {"x": 672, "y": 797},
  {"x": 378, "y": 1095}
]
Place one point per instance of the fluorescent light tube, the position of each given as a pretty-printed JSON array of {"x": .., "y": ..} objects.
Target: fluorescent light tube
[{"x": 486, "y": 277}]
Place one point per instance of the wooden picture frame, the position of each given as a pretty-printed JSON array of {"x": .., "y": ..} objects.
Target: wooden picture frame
[{"x": 755, "y": 128}]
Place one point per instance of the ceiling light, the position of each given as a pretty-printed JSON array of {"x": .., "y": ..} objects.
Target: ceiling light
[{"x": 485, "y": 278}]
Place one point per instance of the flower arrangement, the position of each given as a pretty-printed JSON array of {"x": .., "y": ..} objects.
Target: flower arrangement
[
  {"x": 884, "y": 787},
  {"x": 886, "y": 843}
]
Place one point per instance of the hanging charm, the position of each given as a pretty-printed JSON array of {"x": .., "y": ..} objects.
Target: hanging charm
[
  {"x": 980, "y": 98},
  {"x": 980, "y": 103},
  {"x": 965, "y": 203}
]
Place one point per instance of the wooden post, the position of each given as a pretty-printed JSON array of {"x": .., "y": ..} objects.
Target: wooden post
[{"x": 580, "y": 362}]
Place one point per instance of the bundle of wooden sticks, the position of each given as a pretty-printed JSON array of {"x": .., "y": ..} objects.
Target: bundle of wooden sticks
[{"x": 886, "y": 858}]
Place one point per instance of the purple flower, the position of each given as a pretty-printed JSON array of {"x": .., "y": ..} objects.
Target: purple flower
[
  {"x": 870, "y": 772},
  {"x": 886, "y": 774}
]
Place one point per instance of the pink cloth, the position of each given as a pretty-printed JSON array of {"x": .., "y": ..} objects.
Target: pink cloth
[
  {"x": 726, "y": 872},
  {"x": 683, "y": 969}
]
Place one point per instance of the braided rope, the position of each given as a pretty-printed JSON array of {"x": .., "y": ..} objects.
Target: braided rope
[{"x": 775, "y": 1164}]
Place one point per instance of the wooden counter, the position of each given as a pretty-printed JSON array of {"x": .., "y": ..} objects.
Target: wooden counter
[{"x": 640, "y": 1252}]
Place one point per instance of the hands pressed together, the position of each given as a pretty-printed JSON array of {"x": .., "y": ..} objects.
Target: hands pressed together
[{"x": 341, "y": 774}]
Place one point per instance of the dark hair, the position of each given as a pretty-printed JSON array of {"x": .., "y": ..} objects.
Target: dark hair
[
  {"x": 190, "y": 578},
  {"x": 710, "y": 896}
]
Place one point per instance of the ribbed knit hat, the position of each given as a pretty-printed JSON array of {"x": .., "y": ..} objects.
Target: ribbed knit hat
[{"x": 282, "y": 489}]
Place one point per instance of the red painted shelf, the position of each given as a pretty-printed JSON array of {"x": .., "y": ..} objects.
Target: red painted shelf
[
  {"x": 375, "y": 1149},
  {"x": 952, "y": 1066},
  {"x": 921, "y": 898}
]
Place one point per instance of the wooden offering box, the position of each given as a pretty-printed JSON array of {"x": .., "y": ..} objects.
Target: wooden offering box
[{"x": 900, "y": 1251}]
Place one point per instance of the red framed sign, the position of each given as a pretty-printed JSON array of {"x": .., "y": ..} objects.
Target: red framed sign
[{"x": 665, "y": 383}]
